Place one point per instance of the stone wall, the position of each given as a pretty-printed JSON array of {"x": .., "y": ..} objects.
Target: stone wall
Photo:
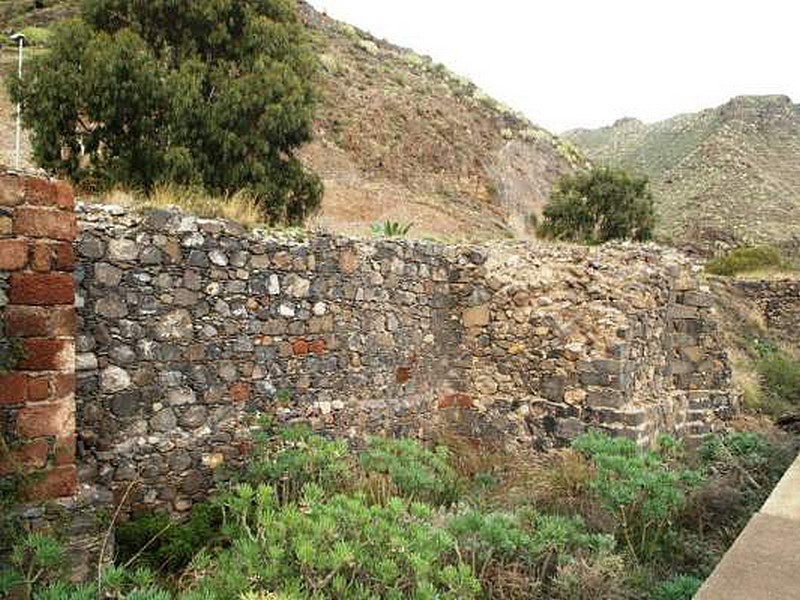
[
  {"x": 189, "y": 328},
  {"x": 779, "y": 303},
  {"x": 37, "y": 327}
]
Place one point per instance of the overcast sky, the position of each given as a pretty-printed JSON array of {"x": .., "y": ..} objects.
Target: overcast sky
[{"x": 585, "y": 63}]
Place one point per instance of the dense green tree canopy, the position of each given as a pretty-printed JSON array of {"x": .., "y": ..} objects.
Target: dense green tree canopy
[
  {"x": 600, "y": 205},
  {"x": 215, "y": 93}
]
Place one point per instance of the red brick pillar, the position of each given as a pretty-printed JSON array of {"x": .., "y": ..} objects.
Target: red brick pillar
[{"x": 37, "y": 316}]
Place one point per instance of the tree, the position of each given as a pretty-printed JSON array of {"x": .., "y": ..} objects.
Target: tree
[
  {"x": 600, "y": 205},
  {"x": 216, "y": 93}
]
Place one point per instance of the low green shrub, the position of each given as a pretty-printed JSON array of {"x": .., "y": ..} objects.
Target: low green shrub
[
  {"x": 754, "y": 462},
  {"x": 39, "y": 571},
  {"x": 518, "y": 555},
  {"x": 743, "y": 260},
  {"x": 305, "y": 522},
  {"x": 341, "y": 547},
  {"x": 160, "y": 543},
  {"x": 412, "y": 470},
  {"x": 641, "y": 489},
  {"x": 391, "y": 229},
  {"x": 682, "y": 587},
  {"x": 292, "y": 458},
  {"x": 37, "y": 560},
  {"x": 780, "y": 383}
]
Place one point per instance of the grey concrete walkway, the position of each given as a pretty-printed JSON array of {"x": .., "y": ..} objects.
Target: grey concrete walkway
[{"x": 764, "y": 562}]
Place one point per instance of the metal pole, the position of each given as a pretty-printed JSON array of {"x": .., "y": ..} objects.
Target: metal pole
[{"x": 19, "y": 107}]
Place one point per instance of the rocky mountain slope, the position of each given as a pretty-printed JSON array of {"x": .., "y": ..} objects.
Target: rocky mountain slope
[
  {"x": 399, "y": 137},
  {"x": 727, "y": 172}
]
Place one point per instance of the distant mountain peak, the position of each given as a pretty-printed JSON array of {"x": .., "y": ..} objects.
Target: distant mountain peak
[
  {"x": 757, "y": 108},
  {"x": 630, "y": 122}
]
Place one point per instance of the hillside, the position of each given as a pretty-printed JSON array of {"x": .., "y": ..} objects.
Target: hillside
[
  {"x": 731, "y": 171},
  {"x": 399, "y": 137}
]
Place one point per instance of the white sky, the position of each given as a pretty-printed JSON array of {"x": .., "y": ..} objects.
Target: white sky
[{"x": 585, "y": 63}]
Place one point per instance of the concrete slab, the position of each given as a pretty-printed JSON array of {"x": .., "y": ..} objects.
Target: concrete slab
[
  {"x": 764, "y": 562},
  {"x": 785, "y": 499}
]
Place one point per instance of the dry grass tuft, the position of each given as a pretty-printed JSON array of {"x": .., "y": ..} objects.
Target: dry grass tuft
[{"x": 241, "y": 207}]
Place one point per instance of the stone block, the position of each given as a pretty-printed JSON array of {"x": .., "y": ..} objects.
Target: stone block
[
  {"x": 12, "y": 190},
  {"x": 240, "y": 392},
  {"x": 13, "y": 388},
  {"x": 6, "y": 225},
  {"x": 41, "y": 420},
  {"x": 27, "y": 321},
  {"x": 477, "y": 316},
  {"x": 64, "y": 450},
  {"x": 28, "y": 457},
  {"x": 38, "y": 388},
  {"x": 455, "y": 400},
  {"x": 59, "y": 482}
]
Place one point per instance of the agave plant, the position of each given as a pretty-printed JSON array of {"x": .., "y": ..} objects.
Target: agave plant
[{"x": 391, "y": 229}]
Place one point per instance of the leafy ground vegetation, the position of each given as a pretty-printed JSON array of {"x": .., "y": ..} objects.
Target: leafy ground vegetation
[{"x": 312, "y": 518}]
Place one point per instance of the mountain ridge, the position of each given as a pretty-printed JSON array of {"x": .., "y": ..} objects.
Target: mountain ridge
[{"x": 732, "y": 170}]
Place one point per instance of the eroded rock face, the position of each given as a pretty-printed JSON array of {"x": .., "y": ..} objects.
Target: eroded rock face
[{"x": 184, "y": 342}]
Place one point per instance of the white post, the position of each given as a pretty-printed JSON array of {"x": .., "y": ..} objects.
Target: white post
[{"x": 19, "y": 107}]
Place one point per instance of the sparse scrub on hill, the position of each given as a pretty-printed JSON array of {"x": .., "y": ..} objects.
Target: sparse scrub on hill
[
  {"x": 747, "y": 260},
  {"x": 304, "y": 522},
  {"x": 199, "y": 93},
  {"x": 600, "y": 205},
  {"x": 779, "y": 378}
]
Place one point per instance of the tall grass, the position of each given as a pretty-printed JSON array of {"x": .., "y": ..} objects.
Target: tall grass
[{"x": 241, "y": 206}]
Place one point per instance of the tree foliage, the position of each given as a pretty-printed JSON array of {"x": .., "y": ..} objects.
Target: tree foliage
[
  {"x": 600, "y": 205},
  {"x": 217, "y": 93}
]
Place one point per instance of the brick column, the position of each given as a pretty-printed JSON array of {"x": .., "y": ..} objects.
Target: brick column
[{"x": 37, "y": 315}]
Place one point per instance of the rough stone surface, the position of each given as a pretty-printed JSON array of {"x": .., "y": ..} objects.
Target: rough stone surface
[
  {"x": 779, "y": 303},
  {"x": 526, "y": 344}
]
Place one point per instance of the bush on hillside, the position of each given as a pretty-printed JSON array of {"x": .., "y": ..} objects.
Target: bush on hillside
[
  {"x": 600, "y": 205},
  {"x": 780, "y": 383},
  {"x": 743, "y": 260},
  {"x": 198, "y": 92}
]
